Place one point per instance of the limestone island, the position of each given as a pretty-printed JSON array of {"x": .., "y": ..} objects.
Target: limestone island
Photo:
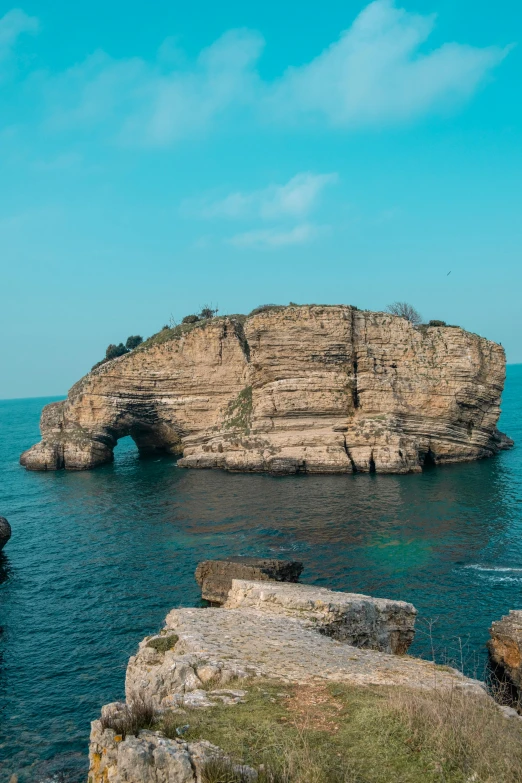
[{"x": 297, "y": 389}]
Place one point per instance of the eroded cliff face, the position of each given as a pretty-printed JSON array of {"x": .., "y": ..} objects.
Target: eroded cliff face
[{"x": 304, "y": 389}]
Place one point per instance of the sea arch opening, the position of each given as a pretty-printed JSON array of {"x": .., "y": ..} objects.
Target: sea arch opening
[{"x": 149, "y": 439}]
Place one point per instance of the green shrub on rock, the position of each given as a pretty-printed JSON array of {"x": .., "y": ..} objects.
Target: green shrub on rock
[
  {"x": 163, "y": 643},
  {"x": 113, "y": 351},
  {"x": 208, "y": 312},
  {"x": 133, "y": 341},
  {"x": 190, "y": 319}
]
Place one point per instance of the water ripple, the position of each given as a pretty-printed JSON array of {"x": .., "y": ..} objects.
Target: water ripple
[{"x": 97, "y": 559}]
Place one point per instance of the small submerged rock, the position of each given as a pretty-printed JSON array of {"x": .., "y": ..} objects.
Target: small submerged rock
[{"x": 5, "y": 532}]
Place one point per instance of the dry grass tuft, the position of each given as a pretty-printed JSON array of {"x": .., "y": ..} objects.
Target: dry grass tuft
[
  {"x": 467, "y": 736},
  {"x": 130, "y": 719},
  {"x": 326, "y": 733},
  {"x": 312, "y": 707}
]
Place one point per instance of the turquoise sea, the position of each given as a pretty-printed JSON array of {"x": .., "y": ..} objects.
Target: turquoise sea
[{"x": 98, "y": 558}]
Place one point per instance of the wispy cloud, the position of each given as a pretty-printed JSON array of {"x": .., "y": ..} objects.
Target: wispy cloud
[
  {"x": 12, "y": 25},
  {"x": 142, "y": 103},
  {"x": 271, "y": 238},
  {"x": 296, "y": 198},
  {"x": 378, "y": 72},
  {"x": 375, "y": 73}
]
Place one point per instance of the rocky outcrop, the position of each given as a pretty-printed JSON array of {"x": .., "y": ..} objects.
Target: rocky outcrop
[
  {"x": 282, "y": 640},
  {"x": 5, "y": 532},
  {"x": 148, "y": 758},
  {"x": 359, "y": 620},
  {"x": 505, "y": 649},
  {"x": 215, "y": 576},
  {"x": 300, "y": 389},
  {"x": 191, "y": 662}
]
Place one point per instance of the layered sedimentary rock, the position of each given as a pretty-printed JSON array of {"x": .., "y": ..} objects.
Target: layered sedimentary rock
[
  {"x": 359, "y": 620},
  {"x": 215, "y": 576},
  {"x": 505, "y": 648},
  {"x": 301, "y": 389}
]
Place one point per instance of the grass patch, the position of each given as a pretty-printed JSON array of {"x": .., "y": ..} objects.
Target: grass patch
[
  {"x": 176, "y": 332},
  {"x": 320, "y": 733},
  {"x": 167, "y": 334},
  {"x": 267, "y": 308},
  {"x": 130, "y": 719},
  {"x": 239, "y": 412},
  {"x": 163, "y": 643}
]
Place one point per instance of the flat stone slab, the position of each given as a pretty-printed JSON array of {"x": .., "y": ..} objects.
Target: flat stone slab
[
  {"x": 359, "y": 620},
  {"x": 215, "y": 576},
  {"x": 221, "y": 644}
]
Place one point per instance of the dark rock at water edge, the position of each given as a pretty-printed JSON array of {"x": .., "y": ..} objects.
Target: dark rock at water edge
[
  {"x": 215, "y": 576},
  {"x": 5, "y": 532}
]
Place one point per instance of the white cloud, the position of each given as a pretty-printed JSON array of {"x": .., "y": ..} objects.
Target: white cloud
[
  {"x": 297, "y": 198},
  {"x": 146, "y": 105},
  {"x": 378, "y": 72},
  {"x": 271, "y": 238},
  {"x": 12, "y": 25},
  {"x": 375, "y": 72}
]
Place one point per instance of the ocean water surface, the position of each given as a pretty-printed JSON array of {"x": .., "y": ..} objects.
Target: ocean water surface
[{"x": 98, "y": 558}]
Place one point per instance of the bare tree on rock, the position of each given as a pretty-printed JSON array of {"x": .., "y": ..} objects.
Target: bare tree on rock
[{"x": 405, "y": 310}]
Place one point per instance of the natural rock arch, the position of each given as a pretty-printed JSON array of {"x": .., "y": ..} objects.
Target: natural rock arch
[{"x": 312, "y": 389}]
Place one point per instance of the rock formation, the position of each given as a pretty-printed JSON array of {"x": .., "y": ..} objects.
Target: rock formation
[
  {"x": 276, "y": 631},
  {"x": 505, "y": 649},
  {"x": 149, "y": 758},
  {"x": 5, "y": 532},
  {"x": 359, "y": 620},
  {"x": 317, "y": 389},
  {"x": 215, "y": 576}
]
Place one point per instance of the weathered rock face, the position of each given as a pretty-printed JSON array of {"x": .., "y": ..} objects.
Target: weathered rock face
[
  {"x": 304, "y": 389},
  {"x": 288, "y": 643},
  {"x": 359, "y": 620},
  {"x": 5, "y": 532},
  {"x": 271, "y": 633},
  {"x": 148, "y": 758},
  {"x": 215, "y": 576},
  {"x": 505, "y": 647}
]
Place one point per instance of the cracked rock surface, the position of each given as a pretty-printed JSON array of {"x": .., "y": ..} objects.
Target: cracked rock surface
[
  {"x": 271, "y": 630},
  {"x": 313, "y": 389},
  {"x": 219, "y": 645},
  {"x": 359, "y": 620}
]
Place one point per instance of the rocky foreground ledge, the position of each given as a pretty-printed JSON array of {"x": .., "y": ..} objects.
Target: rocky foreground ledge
[
  {"x": 288, "y": 633},
  {"x": 300, "y": 389}
]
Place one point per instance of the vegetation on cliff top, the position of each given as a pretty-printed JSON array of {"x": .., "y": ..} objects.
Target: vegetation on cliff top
[
  {"x": 334, "y": 733},
  {"x": 174, "y": 331}
]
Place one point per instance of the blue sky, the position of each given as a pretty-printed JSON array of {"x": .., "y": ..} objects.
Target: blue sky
[{"x": 157, "y": 157}]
